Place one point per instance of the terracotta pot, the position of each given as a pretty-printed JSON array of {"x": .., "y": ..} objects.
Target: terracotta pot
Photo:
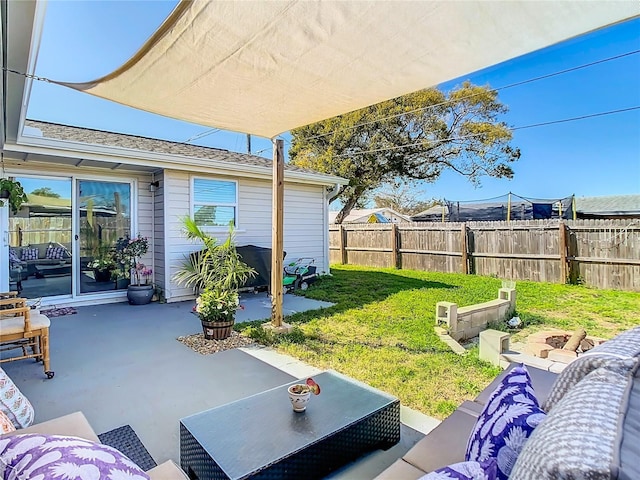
[{"x": 217, "y": 330}]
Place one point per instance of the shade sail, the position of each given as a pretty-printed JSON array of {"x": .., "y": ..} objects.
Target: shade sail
[{"x": 265, "y": 67}]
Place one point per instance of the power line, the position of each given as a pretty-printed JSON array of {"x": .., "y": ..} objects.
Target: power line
[
  {"x": 553, "y": 122},
  {"x": 201, "y": 135},
  {"x": 464, "y": 137},
  {"x": 511, "y": 85}
]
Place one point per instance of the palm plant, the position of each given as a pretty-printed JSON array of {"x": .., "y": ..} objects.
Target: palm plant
[{"x": 217, "y": 265}]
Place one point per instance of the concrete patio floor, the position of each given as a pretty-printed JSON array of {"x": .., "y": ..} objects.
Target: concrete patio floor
[{"x": 121, "y": 364}]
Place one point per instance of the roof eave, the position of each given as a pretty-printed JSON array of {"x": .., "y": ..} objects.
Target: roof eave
[{"x": 112, "y": 154}]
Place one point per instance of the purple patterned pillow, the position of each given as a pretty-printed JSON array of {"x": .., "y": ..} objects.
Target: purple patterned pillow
[
  {"x": 29, "y": 253},
  {"x": 506, "y": 422},
  {"x": 55, "y": 253},
  {"x": 37, "y": 456},
  {"x": 486, "y": 470},
  {"x": 13, "y": 257}
]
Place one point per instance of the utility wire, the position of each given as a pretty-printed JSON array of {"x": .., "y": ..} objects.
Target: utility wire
[
  {"x": 201, "y": 135},
  {"x": 464, "y": 137},
  {"x": 511, "y": 85}
]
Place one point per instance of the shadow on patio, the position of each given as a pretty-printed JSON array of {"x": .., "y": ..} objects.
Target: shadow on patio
[{"x": 121, "y": 364}]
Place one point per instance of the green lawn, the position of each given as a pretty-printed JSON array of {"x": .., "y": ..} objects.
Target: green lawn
[{"x": 381, "y": 329}]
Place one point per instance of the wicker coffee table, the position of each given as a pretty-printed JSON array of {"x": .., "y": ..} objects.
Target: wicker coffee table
[{"x": 262, "y": 437}]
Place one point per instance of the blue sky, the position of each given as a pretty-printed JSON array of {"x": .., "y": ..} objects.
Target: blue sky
[{"x": 84, "y": 40}]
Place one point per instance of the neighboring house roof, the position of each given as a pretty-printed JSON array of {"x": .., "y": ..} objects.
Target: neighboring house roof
[
  {"x": 362, "y": 215},
  {"x": 609, "y": 205},
  {"x": 134, "y": 142}
]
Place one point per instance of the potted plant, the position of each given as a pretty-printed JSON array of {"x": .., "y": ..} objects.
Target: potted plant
[
  {"x": 12, "y": 192},
  {"x": 216, "y": 307},
  {"x": 215, "y": 273},
  {"x": 127, "y": 256},
  {"x": 103, "y": 264}
]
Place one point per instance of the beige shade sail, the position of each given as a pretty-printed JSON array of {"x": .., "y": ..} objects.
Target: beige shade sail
[{"x": 265, "y": 67}]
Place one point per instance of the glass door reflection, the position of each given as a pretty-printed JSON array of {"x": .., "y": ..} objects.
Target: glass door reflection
[
  {"x": 40, "y": 246},
  {"x": 104, "y": 217}
]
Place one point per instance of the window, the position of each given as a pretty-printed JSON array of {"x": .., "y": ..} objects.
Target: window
[{"x": 215, "y": 202}]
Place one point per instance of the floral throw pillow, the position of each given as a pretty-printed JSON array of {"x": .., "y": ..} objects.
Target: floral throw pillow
[
  {"x": 506, "y": 422},
  {"x": 486, "y": 470},
  {"x": 36, "y": 456},
  {"x": 13, "y": 403},
  {"x": 6, "y": 426}
]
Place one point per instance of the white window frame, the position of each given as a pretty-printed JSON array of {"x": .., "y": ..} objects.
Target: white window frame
[{"x": 192, "y": 203}]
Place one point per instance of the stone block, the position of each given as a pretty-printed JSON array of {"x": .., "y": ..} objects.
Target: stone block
[
  {"x": 472, "y": 332},
  {"x": 586, "y": 344},
  {"x": 539, "y": 349},
  {"x": 493, "y": 343},
  {"x": 447, "y": 312},
  {"x": 563, "y": 356},
  {"x": 508, "y": 294}
]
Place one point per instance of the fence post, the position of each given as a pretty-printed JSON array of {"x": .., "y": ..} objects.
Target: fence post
[
  {"x": 343, "y": 250},
  {"x": 562, "y": 244},
  {"x": 465, "y": 249},
  {"x": 394, "y": 245}
]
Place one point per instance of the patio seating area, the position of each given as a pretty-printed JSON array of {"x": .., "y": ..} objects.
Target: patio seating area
[{"x": 122, "y": 365}]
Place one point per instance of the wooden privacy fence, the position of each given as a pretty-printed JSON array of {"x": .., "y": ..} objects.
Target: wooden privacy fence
[{"x": 599, "y": 253}]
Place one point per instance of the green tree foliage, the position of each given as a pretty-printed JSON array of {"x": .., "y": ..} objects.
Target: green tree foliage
[
  {"x": 413, "y": 137},
  {"x": 403, "y": 198},
  {"x": 45, "y": 192}
]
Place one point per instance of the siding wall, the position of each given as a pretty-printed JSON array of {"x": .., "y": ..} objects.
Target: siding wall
[
  {"x": 142, "y": 223},
  {"x": 304, "y": 213},
  {"x": 160, "y": 272}
]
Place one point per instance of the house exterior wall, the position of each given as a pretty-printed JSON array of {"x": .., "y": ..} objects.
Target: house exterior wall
[
  {"x": 142, "y": 201},
  {"x": 305, "y": 222},
  {"x": 160, "y": 272}
]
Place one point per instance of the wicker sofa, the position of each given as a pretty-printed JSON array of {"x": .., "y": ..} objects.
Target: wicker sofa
[
  {"x": 76, "y": 425},
  {"x": 592, "y": 427}
]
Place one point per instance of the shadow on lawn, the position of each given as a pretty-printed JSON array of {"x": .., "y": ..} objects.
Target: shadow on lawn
[
  {"x": 356, "y": 288},
  {"x": 350, "y": 289}
]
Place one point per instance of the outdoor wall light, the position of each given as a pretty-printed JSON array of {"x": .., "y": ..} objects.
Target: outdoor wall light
[{"x": 153, "y": 186}]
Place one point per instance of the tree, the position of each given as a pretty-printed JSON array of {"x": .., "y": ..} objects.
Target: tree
[
  {"x": 45, "y": 192},
  {"x": 402, "y": 198},
  {"x": 413, "y": 137}
]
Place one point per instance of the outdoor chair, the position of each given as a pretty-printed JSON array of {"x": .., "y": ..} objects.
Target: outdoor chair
[{"x": 20, "y": 328}]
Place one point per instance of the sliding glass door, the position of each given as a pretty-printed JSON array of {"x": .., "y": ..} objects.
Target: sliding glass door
[
  {"x": 40, "y": 239},
  {"x": 104, "y": 211},
  {"x": 62, "y": 245}
]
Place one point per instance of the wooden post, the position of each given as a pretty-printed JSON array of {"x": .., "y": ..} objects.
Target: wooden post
[
  {"x": 509, "y": 208},
  {"x": 573, "y": 206},
  {"x": 277, "y": 233},
  {"x": 343, "y": 249},
  {"x": 465, "y": 249},
  {"x": 562, "y": 245},
  {"x": 394, "y": 245}
]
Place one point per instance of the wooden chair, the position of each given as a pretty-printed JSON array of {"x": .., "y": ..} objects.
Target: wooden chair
[{"x": 19, "y": 328}]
